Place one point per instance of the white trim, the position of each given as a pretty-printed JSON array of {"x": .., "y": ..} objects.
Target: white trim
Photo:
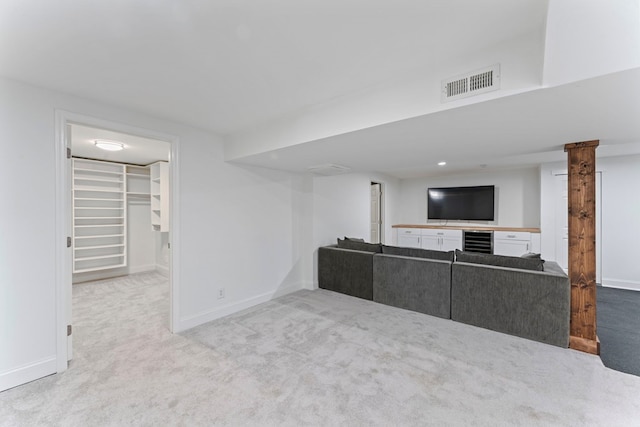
[
  {"x": 174, "y": 235},
  {"x": 29, "y": 372},
  {"x": 142, "y": 268},
  {"x": 62, "y": 253},
  {"x": 210, "y": 315},
  {"x": 162, "y": 269},
  {"x": 64, "y": 256},
  {"x": 632, "y": 285}
]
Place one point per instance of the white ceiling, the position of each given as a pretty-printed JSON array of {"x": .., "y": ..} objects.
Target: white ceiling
[
  {"x": 137, "y": 150},
  {"x": 228, "y": 65},
  {"x": 232, "y": 65},
  {"x": 525, "y": 129}
]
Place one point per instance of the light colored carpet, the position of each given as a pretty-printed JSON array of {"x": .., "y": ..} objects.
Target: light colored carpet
[{"x": 309, "y": 358}]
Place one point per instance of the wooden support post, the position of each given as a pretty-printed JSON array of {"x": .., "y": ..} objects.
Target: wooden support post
[{"x": 582, "y": 245}]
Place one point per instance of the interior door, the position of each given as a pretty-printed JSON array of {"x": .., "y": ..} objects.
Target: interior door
[
  {"x": 376, "y": 214},
  {"x": 69, "y": 186}
]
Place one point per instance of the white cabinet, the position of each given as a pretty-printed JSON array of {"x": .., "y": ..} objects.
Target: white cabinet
[
  {"x": 159, "y": 176},
  {"x": 441, "y": 240},
  {"x": 409, "y": 237},
  {"x": 426, "y": 238},
  {"x": 511, "y": 243},
  {"x": 99, "y": 215},
  {"x": 515, "y": 243}
]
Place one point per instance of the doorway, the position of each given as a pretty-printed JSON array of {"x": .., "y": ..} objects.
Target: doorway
[
  {"x": 376, "y": 213},
  {"x": 105, "y": 204}
]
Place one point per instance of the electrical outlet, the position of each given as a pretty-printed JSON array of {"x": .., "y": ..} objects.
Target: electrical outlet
[{"x": 220, "y": 293}]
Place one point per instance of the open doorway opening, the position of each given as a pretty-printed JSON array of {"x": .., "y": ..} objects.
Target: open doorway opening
[
  {"x": 376, "y": 213},
  {"x": 116, "y": 210}
]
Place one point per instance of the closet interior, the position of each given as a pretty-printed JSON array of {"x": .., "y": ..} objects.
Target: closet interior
[{"x": 120, "y": 199}]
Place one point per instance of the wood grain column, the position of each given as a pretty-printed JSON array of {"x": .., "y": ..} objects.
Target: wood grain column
[{"x": 582, "y": 245}]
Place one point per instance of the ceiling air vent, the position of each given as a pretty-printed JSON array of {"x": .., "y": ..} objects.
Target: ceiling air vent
[
  {"x": 328, "y": 169},
  {"x": 471, "y": 84}
]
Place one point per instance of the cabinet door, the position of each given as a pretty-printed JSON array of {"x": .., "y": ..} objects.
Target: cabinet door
[
  {"x": 431, "y": 242},
  {"x": 451, "y": 244},
  {"x": 510, "y": 247},
  {"x": 408, "y": 241}
]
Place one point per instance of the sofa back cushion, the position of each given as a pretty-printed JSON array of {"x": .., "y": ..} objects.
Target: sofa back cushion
[
  {"x": 418, "y": 253},
  {"x": 359, "y": 246},
  {"x": 535, "y": 264}
]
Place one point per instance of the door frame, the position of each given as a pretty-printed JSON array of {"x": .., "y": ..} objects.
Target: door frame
[
  {"x": 63, "y": 255},
  {"x": 380, "y": 209}
]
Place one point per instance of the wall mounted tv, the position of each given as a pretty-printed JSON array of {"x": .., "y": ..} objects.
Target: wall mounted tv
[{"x": 461, "y": 203}]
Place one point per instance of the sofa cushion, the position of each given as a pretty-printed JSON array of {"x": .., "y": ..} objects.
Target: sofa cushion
[
  {"x": 500, "y": 260},
  {"x": 360, "y": 246},
  {"x": 530, "y": 255},
  {"x": 418, "y": 253},
  {"x": 354, "y": 239}
]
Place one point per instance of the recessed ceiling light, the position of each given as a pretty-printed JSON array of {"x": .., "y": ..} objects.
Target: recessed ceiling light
[
  {"x": 442, "y": 163},
  {"x": 109, "y": 145}
]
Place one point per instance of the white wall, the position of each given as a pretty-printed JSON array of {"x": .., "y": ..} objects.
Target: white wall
[
  {"x": 619, "y": 219},
  {"x": 238, "y": 227},
  {"x": 342, "y": 207},
  {"x": 588, "y": 38},
  {"x": 517, "y": 196}
]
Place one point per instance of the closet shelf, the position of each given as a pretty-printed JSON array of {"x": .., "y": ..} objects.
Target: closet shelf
[
  {"x": 98, "y": 199},
  {"x": 90, "y": 258},
  {"x": 84, "y": 248},
  {"x": 99, "y": 217},
  {"x": 97, "y": 189},
  {"x": 98, "y": 226},
  {"x": 83, "y": 178},
  {"x": 99, "y": 208},
  {"x": 99, "y": 236},
  {"x": 104, "y": 186},
  {"x": 76, "y": 169},
  {"x": 108, "y": 267}
]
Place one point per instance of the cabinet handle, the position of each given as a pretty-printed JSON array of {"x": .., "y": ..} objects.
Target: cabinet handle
[{"x": 511, "y": 236}]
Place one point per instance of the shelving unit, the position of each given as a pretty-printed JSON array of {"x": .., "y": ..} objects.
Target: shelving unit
[
  {"x": 159, "y": 182},
  {"x": 138, "y": 182},
  {"x": 99, "y": 215}
]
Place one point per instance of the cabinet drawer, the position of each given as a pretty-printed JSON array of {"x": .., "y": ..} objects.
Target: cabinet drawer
[
  {"x": 456, "y": 234},
  {"x": 511, "y": 235},
  {"x": 408, "y": 231}
]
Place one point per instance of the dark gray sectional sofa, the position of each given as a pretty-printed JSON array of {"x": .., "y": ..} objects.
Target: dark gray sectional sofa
[{"x": 528, "y": 298}]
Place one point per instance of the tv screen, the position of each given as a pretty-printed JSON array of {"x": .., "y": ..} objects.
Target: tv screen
[{"x": 461, "y": 203}]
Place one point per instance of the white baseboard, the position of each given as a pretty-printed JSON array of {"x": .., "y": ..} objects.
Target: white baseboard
[
  {"x": 218, "y": 312},
  {"x": 26, "y": 373},
  {"x": 631, "y": 285},
  {"x": 162, "y": 269},
  {"x": 142, "y": 268}
]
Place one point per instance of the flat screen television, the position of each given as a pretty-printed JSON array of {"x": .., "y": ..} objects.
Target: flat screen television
[{"x": 461, "y": 203}]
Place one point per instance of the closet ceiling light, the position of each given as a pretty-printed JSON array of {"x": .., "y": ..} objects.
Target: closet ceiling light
[
  {"x": 442, "y": 163},
  {"x": 109, "y": 145}
]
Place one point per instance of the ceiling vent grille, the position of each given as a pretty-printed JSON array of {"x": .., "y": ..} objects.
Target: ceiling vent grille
[
  {"x": 328, "y": 169},
  {"x": 470, "y": 84}
]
